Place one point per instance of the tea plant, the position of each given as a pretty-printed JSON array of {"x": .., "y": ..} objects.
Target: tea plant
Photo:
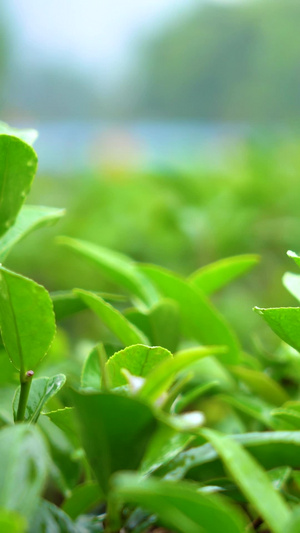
[{"x": 171, "y": 423}]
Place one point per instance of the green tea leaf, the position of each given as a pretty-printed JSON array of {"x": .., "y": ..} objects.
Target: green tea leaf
[
  {"x": 252, "y": 406},
  {"x": 65, "y": 420},
  {"x": 118, "y": 267},
  {"x": 29, "y": 218},
  {"x": 251, "y": 479},
  {"x": 280, "y": 476},
  {"x": 262, "y": 385},
  {"x": 91, "y": 371},
  {"x": 83, "y": 499},
  {"x": 26, "y": 320},
  {"x": 166, "y": 444},
  {"x": 199, "y": 318},
  {"x": 164, "y": 318},
  {"x": 115, "y": 432},
  {"x": 41, "y": 390},
  {"x": 29, "y": 136},
  {"x": 272, "y": 449},
  {"x": 66, "y": 303},
  {"x": 288, "y": 415},
  {"x": 65, "y": 467},
  {"x": 179, "y": 506},
  {"x": 18, "y": 164},
  {"x": 113, "y": 319},
  {"x": 161, "y": 377},
  {"x": 284, "y": 321},
  {"x": 160, "y": 323},
  {"x": 139, "y": 360},
  {"x": 213, "y": 277},
  {"x": 23, "y": 465},
  {"x": 193, "y": 395}
]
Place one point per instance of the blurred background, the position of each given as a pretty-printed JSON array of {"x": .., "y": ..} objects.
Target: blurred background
[{"x": 169, "y": 129}]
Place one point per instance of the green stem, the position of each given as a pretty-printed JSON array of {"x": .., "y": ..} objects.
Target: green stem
[
  {"x": 113, "y": 518},
  {"x": 25, "y": 380}
]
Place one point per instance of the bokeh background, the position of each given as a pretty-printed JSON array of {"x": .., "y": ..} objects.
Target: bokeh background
[{"x": 169, "y": 129}]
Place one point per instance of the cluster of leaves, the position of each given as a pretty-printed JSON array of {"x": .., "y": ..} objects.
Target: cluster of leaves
[{"x": 171, "y": 423}]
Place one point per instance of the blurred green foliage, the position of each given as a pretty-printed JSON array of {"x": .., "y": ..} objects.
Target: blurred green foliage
[
  {"x": 226, "y": 62},
  {"x": 180, "y": 221}
]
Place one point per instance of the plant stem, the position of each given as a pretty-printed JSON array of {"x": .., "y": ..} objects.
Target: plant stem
[
  {"x": 113, "y": 519},
  {"x": 25, "y": 380}
]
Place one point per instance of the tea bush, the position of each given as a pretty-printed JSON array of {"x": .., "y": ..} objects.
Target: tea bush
[{"x": 168, "y": 421}]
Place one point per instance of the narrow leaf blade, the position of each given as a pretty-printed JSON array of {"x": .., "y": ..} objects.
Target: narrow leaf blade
[
  {"x": 251, "y": 479},
  {"x": 215, "y": 276},
  {"x": 113, "y": 319}
]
